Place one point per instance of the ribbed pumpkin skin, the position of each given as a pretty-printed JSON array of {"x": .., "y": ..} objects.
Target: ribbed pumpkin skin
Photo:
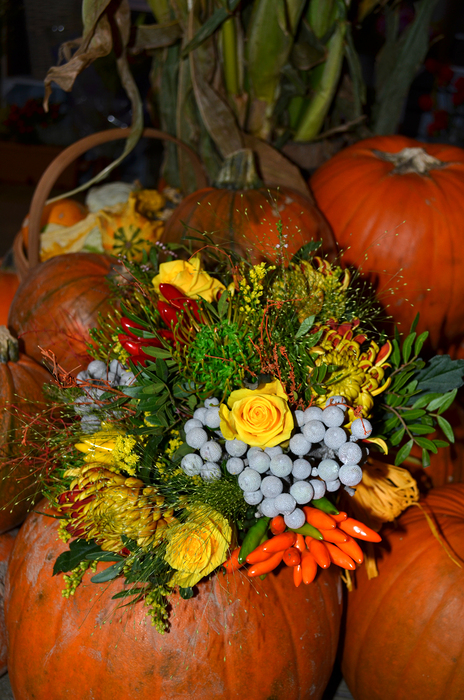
[
  {"x": 233, "y": 640},
  {"x": 6, "y": 547},
  {"x": 19, "y": 380},
  {"x": 246, "y": 221},
  {"x": 409, "y": 225},
  {"x": 58, "y": 303},
  {"x": 9, "y": 283},
  {"x": 404, "y": 635}
]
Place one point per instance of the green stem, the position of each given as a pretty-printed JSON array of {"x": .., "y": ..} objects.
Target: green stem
[{"x": 229, "y": 52}]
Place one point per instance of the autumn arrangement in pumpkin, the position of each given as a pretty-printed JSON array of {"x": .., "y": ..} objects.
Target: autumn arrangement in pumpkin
[{"x": 224, "y": 412}]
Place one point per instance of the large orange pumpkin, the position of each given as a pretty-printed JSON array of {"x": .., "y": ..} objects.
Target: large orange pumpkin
[
  {"x": 404, "y": 636},
  {"x": 241, "y": 214},
  {"x": 396, "y": 206},
  {"x": 21, "y": 397},
  {"x": 6, "y": 547},
  {"x": 58, "y": 303},
  {"x": 234, "y": 639},
  {"x": 9, "y": 283}
]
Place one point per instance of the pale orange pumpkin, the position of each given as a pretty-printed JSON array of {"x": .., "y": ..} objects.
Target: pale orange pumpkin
[
  {"x": 396, "y": 208},
  {"x": 237, "y": 638}
]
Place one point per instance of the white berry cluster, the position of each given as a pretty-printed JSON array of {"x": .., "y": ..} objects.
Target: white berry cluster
[
  {"x": 94, "y": 378},
  {"x": 322, "y": 456}
]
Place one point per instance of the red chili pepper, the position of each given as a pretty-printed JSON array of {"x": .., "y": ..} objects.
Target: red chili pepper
[
  {"x": 292, "y": 557},
  {"x": 334, "y": 535},
  {"x": 179, "y": 300},
  {"x": 300, "y": 544},
  {"x": 340, "y": 517},
  {"x": 232, "y": 564},
  {"x": 309, "y": 567},
  {"x": 357, "y": 529},
  {"x": 340, "y": 558},
  {"x": 280, "y": 543},
  {"x": 352, "y": 548},
  {"x": 128, "y": 326},
  {"x": 317, "y": 518},
  {"x": 297, "y": 575},
  {"x": 277, "y": 525},
  {"x": 168, "y": 314},
  {"x": 258, "y": 555},
  {"x": 319, "y": 552},
  {"x": 265, "y": 567}
]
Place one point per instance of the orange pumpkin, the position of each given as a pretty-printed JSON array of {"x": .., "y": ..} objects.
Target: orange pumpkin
[
  {"x": 235, "y": 638},
  {"x": 6, "y": 547},
  {"x": 21, "y": 396},
  {"x": 9, "y": 283},
  {"x": 405, "y": 629},
  {"x": 65, "y": 212},
  {"x": 58, "y": 303},
  {"x": 241, "y": 214},
  {"x": 396, "y": 207}
]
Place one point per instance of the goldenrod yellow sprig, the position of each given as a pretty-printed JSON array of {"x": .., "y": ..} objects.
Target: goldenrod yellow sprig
[{"x": 74, "y": 578}]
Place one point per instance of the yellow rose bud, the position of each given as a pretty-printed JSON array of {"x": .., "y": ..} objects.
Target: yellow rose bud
[
  {"x": 197, "y": 546},
  {"x": 188, "y": 276},
  {"x": 260, "y": 417}
]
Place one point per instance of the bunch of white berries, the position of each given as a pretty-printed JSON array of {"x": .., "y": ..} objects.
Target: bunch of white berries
[
  {"x": 322, "y": 457},
  {"x": 95, "y": 380}
]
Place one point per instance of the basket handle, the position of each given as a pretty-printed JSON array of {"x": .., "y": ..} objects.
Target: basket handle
[{"x": 66, "y": 157}]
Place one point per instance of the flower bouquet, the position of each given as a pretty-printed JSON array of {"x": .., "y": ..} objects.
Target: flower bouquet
[{"x": 231, "y": 417}]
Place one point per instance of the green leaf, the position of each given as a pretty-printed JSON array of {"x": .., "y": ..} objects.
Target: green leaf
[
  {"x": 103, "y": 556},
  {"x": 108, "y": 574},
  {"x": 413, "y": 414},
  {"x": 78, "y": 551},
  {"x": 153, "y": 388},
  {"x": 420, "y": 428},
  {"x": 396, "y": 354},
  {"x": 398, "y": 63},
  {"x": 425, "y": 399},
  {"x": 157, "y": 352},
  {"x": 306, "y": 325},
  {"x": 440, "y": 443},
  {"x": 213, "y": 22},
  {"x": 192, "y": 402},
  {"x": 391, "y": 423},
  {"x": 401, "y": 379},
  {"x": 396, "y": 438},
  {"x": 407, "y": 346},
  {"x": 304, "y": 253},
  {"x": 414, "y": 323},
  {"x": 425, "y": 458},
  {"x": 446, "y": 428},
  {"x": 443, "y": 402},
  {"x": 223, "y": 304},
  {"x": 186, "y": 593},
  {"x": 404, "y": 452},
  {"x": 420, "y": 342},
  {"x": 441, "y": 374},
  {"x": 427, "y": 444}
]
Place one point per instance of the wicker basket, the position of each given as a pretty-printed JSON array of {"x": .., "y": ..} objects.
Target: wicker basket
[{"x": 24, "y": 259}]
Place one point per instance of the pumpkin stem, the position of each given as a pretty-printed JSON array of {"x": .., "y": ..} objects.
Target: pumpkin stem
[
  {"x": 9, "y": 351},
  {"x": 411, "y": 160},
  {"x": 238, "y": 172}
]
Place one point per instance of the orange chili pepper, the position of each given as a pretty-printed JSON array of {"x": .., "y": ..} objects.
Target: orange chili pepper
[
  {"x": 297, "y": 575},
  {"x": 258, "y": 555},
  {"x": 280, "y": 543},
  {"x": 292, "y": 557},
  {"x": 340, "y": 517},
  {"x": 352, "y": 548},
  {"x": 300, "y": 543},
  {"x": 277, "y": 525},
  {"x": 309, "y": 567},
  {"x": 334, "y": 535},
  {"x": 264, "y": 567},
  {"x": 320, "y": 553},
  {"x": 317, "y": 518},
  {"x": 357, "y": 529},
  {"x": 232, "y": 564},
  {"x": 340, "y": 558}
]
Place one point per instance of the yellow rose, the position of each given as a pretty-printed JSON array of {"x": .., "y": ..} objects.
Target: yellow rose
[
  {"x": 189, "y": 278},
  {"x": 197, "y": 546},
  {"x": 260, "y": 417}
]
